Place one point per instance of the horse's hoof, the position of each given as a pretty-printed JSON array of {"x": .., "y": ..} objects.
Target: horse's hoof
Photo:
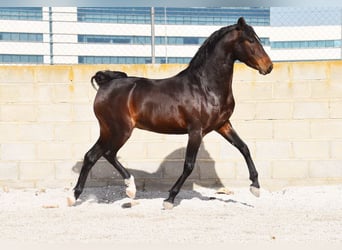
[
  {"x": 130, "y": 204},
  {"x": 130, "y": 192},
  {"x": 71, "y": 201},
  {"x": 255, "y": 191},
  {"x": 167, "y": 205},
  {"x": 131, "y": 189}
]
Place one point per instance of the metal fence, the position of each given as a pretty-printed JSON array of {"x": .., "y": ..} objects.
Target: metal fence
[{"x": 71, "y": 35}]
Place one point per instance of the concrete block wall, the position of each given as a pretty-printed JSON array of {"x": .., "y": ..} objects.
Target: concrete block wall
[{"x": 291, "y": 120}]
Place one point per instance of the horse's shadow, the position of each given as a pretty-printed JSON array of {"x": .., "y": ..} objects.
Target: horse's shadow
[{"x": 105, "y": 185}]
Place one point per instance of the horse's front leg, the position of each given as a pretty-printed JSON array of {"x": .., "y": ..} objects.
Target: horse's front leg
[
  {"x": 195, "y": 139},
  {"x": 230, "y": 134}
]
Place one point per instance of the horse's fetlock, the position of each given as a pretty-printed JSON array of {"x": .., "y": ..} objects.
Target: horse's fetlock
[
  {"x": 130, "y": 187},
  {"x": 77, "y": 193}
]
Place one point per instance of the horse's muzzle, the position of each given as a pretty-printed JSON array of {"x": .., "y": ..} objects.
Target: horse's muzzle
[{"x": 266, "y": 71}]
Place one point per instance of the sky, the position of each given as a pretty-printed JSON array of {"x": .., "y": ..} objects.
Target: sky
[
  {"x": 306, "y": 16},
  {"x": 173, "y": 3}
]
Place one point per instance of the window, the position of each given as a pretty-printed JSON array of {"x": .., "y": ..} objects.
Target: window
[
  {"x": 190, "y": 40},
  {"x": 265, "y": 41},
  {"x": 140, "y": 40},
  {"x": 21, "y": 37},
  {"x": 180, "y": 60},
  {"x": 179, "y": 16},
  {"x": 115, "y": 15},
  {"x": 212, "y": 16},
  {"x": 21, "y": 13},
  {"x": 130, "y": 60},
  {"x": 146, "y": 40},
  {"x": 114, "y": 39},
  {"x": 31, "y": 59},
  {"x": 113, "y": 60},
  {"x": 306, "y": 44}
]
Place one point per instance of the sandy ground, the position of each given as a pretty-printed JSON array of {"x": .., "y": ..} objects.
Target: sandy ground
[{"x": 301, "y": 214}]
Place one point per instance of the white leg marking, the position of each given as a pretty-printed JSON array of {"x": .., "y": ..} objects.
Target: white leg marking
[
  {"x": 71, "y": 199},
  {"x": 131, "y": 189},
  {"x": 255, "y": 191},
  {"x": 167, "y": 205}
]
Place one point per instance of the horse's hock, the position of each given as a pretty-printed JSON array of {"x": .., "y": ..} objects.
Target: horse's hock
[{"x": 291, "y": 120}]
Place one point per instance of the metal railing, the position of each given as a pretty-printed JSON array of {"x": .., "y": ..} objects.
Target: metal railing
[{"x": 52, "y": 35}]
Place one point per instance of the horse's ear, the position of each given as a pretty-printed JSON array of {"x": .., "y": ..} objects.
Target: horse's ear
[{"x": 241, "y": 22}]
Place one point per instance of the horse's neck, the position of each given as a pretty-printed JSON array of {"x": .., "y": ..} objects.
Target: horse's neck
[
  {"x": 213, "y": 77},
  {"x": 219, "y": 76}
]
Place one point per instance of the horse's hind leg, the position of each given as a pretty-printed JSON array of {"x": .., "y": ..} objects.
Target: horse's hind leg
[
  {"x": 230, "y": 134},
  {"x": 90, "y": 158},
  {"x": 129, "y": 179},
  {"x": 120, "y": 134}
]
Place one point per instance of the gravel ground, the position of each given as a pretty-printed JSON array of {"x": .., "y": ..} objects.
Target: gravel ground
[{"x": 201, "y": 216}]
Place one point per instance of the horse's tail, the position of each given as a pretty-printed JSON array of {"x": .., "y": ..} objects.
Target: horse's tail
[{"x": 103, "y": 77}]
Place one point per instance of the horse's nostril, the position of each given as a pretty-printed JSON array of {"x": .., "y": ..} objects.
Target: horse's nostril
[{"x": 270, "y": 68}]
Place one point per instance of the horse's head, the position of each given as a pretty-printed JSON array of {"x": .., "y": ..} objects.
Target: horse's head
[{"x": 248, "y": 48}]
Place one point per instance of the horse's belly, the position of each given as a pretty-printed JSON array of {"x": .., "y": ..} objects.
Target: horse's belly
[
  {"x": 166, "y": 123},
  {"x": 169, "y": 131}
]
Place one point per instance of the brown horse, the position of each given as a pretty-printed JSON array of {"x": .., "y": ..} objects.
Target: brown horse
[{"x": 196, "y": 101}]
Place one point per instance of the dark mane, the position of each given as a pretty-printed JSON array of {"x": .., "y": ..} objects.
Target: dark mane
[{"x": 208, "y": 46}]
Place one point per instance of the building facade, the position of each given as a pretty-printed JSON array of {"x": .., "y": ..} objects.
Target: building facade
[{"x": 74, "y": 35}]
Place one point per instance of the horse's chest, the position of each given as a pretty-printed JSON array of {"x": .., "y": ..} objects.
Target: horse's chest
[{"x": 226, "y": 110}]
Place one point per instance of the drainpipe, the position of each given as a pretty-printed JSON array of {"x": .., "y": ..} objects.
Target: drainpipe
[
  {"x": 50, "y": 35},
  {"x": 153, "y": 55}
]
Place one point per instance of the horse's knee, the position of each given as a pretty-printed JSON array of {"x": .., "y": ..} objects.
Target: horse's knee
[
  {"x": 188, "y": 168},
  {"x": 89, "y": 159}
]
